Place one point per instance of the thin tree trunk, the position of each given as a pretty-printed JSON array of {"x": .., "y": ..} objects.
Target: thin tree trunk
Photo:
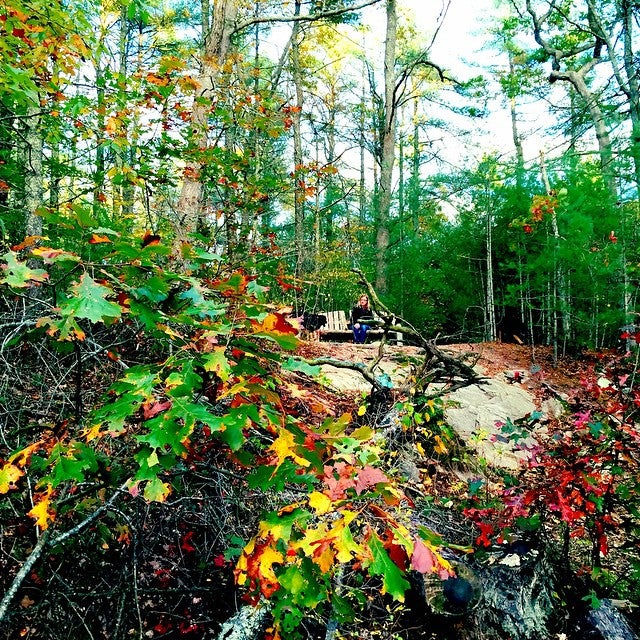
[
  {"x": 491, "y": 327},
  {"x": 299, "y": 187},
  {"x": 33, "y": 187},
  {"x": 388, "y": 149},
  {"x": 561, "y": 306}
]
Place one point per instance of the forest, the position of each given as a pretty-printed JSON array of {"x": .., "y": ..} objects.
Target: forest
[{"x": 180, "y": 181}]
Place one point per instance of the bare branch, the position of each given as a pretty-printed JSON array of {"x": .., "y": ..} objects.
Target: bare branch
[{"x": 303, "y": 18}]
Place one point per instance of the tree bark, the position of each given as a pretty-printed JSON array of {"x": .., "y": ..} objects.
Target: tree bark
[
  {"x": 215, "y": 51},
  {"x": 576, "y": 77},
  {"x": 299, "y": 195},
  {"x": 387, "y": 156},
  {"x": 33, "y": 188}
]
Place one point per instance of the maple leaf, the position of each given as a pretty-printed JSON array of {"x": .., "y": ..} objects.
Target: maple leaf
[{"x": 8, "y": 476}]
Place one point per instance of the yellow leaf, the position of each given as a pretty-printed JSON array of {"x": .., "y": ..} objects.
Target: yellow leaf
[
  {"x": 92, "y": 432},
  {"x": 420, "y": 449},
  {"x": 320, "y": 503},
  {"x": 42, "y": 512},
  {"x": 283, "y": 447},
  {"x": 8, "y": 476},
  {"x": 362, "y": 409},
  {"x": 440, "y": 446}
]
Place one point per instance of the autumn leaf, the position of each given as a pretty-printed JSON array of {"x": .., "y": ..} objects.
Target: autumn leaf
[
  {"x": 320, "y": 503},
  {"x": 42, "y": 511},
  {"x": 156, "y": 490},
  {"x": 50, "y": 256},
  {"x": 256, "y": 566},
  {"x": 426, "y": 560},
  {"x": 9, "y": 474},
  {"x": 369, "y": 477},
  {"x": 18, "y": 274},
  {"x": 216, "y": 362},
  {"x": 284, "y": 447},
  {"x": 98, "y": 239}
]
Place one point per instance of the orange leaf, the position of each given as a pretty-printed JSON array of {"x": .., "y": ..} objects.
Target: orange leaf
[
  {"x": 256, "y": 564},
  {"x": 98, "y": 239}
]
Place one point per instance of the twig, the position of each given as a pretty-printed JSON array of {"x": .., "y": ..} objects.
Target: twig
[{"x": 44, "y": 541}]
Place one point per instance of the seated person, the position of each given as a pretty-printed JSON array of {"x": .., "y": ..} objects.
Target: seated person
[{"x": 359, "y": 316}]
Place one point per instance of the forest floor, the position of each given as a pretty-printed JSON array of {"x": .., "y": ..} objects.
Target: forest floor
[
  {"x": 170, "y": 558},
  {"x": 541, "y": 374}
]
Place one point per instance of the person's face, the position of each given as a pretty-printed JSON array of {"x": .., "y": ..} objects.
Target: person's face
[{"x": 364, "y": 301}]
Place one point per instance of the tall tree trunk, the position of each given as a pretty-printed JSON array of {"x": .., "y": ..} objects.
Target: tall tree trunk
[
  {"x": 99, "y": 175},
  {"x": 515, "y": 133},
  {"x": 414, "y": 192},
  {"x": 560, "y": 296},
  {"x": 362, "y": 193},
  {"x": 490, "y": 311},
  {"x": 387, "y": 149},
  {"x": 299, "y": 188},
  {"x": 605, "y": 150},
  {"x": 217, "y": 42}
]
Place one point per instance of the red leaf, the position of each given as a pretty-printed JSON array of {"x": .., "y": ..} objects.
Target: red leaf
[
  {"x": 185, "y": 543},
  {"x": 486, "y": 530},
  {"x": 369, "y": 477},
  {"x": 152, "y": 410}
]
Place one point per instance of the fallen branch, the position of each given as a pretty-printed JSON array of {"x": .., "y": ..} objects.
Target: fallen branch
[{"x": 363, "y": 370}]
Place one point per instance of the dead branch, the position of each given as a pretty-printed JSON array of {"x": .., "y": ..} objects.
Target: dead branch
[
  {"x": 45, "y": 541},
  {"x": 438, "y": 366}
]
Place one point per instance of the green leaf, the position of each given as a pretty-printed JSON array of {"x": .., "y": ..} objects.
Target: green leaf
[
  {"x": 90, "y": 301},
  {"x": 294, "y": 364},
  {"x": 304, "y": 585},
  {"x": 156, "y": 490},
  {"x": 393, "y": 580},
  {"x": 71, "y": 463},
  {"x": 216, "y": 362},
  {"x": 288, "y": 341},
  {"x": 18, "y": 274}
]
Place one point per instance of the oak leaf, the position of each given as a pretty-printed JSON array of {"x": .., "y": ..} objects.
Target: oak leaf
[{"x": 8, "y": 476}]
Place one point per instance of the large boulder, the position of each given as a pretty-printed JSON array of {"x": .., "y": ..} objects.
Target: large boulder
[{"x": 477, "y": 413}]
